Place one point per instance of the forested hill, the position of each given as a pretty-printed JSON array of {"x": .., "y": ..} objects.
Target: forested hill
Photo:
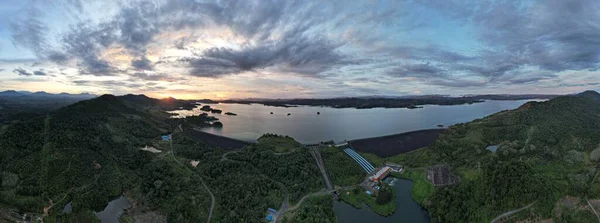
[
  {"x": 89, "y": 152},
  {"x": 546, "y": 151},
  {"x": 91, "y": 146}
]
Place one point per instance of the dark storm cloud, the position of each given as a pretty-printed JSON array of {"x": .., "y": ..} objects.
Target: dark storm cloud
[
  {"x": 21, "y": 72},
  {"x": 295, "y": 54}
]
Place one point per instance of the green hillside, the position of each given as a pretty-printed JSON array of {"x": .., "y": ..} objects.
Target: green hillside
[
  {"x": 547, "y": 150},
  {"x": 89, "y": 153}
]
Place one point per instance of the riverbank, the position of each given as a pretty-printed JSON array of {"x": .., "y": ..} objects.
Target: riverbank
[
  {"x": 391, "y": 145},
  {"x": 421, "y": 189}
]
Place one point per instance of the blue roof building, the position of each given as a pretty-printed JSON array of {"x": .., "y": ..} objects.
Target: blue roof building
[
  {"x": 166, "y": 137},
  {"x": 269, "y": 217}
]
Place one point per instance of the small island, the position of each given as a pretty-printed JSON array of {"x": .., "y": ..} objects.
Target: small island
[
  {"x": 414, "y": 107},
  {"x": 205, "y": 108},
  {"x": 218, "y": 111},
  {"x": 230, "y": 113}
]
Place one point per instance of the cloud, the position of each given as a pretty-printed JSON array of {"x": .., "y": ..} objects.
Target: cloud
[
  {"x": 295, "y": 53},
  {"x": 29, "y": 31},
  {"x": 142, "y": 64},
  {"x": 422, "y": 70},
  {"x": 39, "y": 73},
  {"x": 155, "y": 77},
  {"x": 554, "y": 35},
  {"x": 279, "y": 34},
  {"x": 455, "y": 43},
  {"x": 21, "y": 72}
]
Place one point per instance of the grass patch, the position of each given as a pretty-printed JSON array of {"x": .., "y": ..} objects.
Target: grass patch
[
  {"x": 280, "y": 144},
  {"x": 421, "y": 189},
  {"x": 466, "y": 173}
]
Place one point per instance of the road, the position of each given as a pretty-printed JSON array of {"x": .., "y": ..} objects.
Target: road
[
  {"x": 284, "y": 205},
  {"x": 224, "y": 157},
  {"x": 592, "y": 207},
  {"x": 212, "y": 196},
  {"x": 508, "y": 213}
]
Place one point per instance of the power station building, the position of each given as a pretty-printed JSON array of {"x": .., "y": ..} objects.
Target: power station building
[{"x": 382, "y": 173}]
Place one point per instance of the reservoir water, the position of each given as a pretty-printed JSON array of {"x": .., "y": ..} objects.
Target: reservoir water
[
  {"x": 338, "y": 124},
  {"x": 407, "y": 210}
]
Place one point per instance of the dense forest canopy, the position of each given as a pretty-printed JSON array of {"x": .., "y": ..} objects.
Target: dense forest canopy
[
  {"x": 89, "y": 153},
  {"x": 546, "y": 150}
]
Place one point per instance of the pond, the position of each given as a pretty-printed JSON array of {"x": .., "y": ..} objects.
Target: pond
[
  {"x": 113, "y": 210},
  {"x": 407, "y": 210}
]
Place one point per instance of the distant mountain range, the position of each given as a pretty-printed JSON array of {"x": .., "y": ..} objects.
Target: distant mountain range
[
  {"x": 43, "y": 94},
  {"x": 410, "y": 101}
]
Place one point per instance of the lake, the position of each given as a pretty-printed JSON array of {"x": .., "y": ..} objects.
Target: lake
[
  {"x": 407, "y": 210},
  {"x": 338, "y": 124}
]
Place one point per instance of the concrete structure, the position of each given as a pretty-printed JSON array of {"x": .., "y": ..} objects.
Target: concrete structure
[
  {"x": 439, "y": 175},
  {"x": 395, "y": 167},
  {"x": 360, "y": 160},
  {"x": 382, "y": 173},
  {"x": 341, "y": 144}
]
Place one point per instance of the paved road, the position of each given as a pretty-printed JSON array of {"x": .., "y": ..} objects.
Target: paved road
[{"x": 508, "y": 213}]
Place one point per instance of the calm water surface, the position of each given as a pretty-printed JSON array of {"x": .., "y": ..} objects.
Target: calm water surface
[
  {"x": 407, "y": 210},
  {"x": 336, "y": 124},
  {"x": 113, "y": 210}
]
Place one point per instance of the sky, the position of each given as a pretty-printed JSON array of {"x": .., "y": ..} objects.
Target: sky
[{"x": 193, "y": 49}]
